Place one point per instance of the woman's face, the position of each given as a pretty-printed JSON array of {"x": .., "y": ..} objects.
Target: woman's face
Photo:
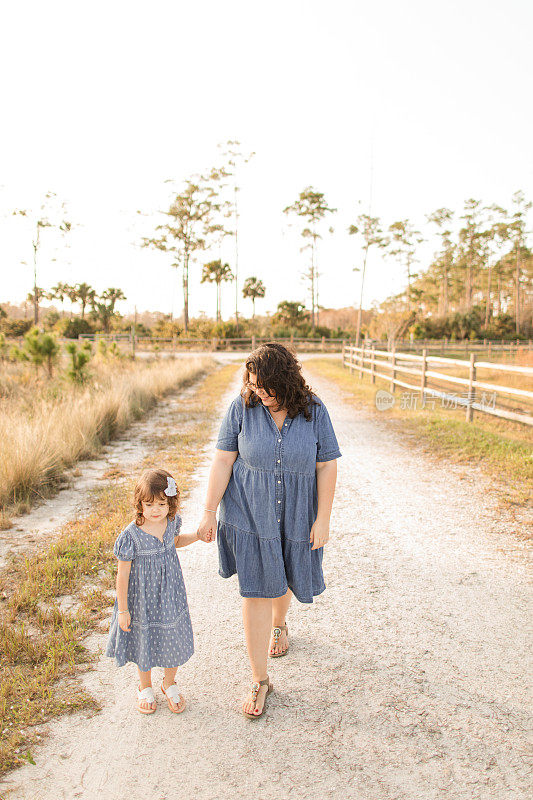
[{"x": 262, "y": 394}]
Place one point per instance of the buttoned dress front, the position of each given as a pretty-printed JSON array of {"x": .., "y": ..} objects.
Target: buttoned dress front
[
  {"x": 161, "y": 631},
  {"x": 271, "y": 500}
]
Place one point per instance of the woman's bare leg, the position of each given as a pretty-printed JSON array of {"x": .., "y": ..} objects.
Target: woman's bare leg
[
  {"x": 280, "y": 606},
  {"x": 257, "y": 616}
]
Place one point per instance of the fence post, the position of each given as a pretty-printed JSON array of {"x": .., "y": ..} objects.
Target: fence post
[
  {"x": 393, "y": 368},
  {"x": 350, "y": 358},
  {"x": 213, "y": 344},
  {"x": 132, "y": 335},
  {"x": 253, "y": 341},
  {"x": 471, "y": 388},
  {"x": 372, "y": 376},
  {"x": 362, "y": 360},
  {"x": 323, "y": 345},
  {"x": 423, "y": 376},
  {"x": 343, "y": 349},
  {"x": 490, "y": 343}
]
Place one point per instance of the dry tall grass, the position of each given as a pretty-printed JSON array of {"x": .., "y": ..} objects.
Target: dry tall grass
[{"x": 42, "y": 434}]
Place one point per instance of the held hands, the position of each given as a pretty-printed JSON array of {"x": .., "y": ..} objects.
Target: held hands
[
  {"x": 319, "y": 534},
  {"x": 124, "y": 620},
  {"x": 207, "y": 527}
]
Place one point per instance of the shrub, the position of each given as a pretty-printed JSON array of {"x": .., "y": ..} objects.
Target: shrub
[
  {"x": 72, "y": 328},
  {"x": 107, "y": 351},
  {"x": 41, "y": 348},
  {"x": 50, "y": 319},
  {"x": 15, "y": 327},
  {"x": 80, "y": 357}
]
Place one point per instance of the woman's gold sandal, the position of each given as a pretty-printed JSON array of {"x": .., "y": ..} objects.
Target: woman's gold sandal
[
  {"x": 255, "y": 691},
  {"x": 276, "y": 633}
]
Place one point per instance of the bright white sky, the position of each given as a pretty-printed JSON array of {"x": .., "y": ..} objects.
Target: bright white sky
[{"x": 103, "y": 101}]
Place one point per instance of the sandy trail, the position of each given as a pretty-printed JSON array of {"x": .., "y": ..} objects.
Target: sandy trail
[{"x": 406, "y": 679}]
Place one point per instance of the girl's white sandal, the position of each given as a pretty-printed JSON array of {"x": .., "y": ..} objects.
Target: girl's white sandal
[
  {"x": 172, "y": 693},
  {"x": 148, "y": 696}
]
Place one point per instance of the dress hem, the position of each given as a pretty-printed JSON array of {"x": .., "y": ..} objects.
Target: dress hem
[
  {"x": 272, "y": 596},
  {"x": 145, "y": 669}
]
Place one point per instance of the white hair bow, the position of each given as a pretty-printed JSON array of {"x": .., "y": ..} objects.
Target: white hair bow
[{"x": 171, "y": 490}]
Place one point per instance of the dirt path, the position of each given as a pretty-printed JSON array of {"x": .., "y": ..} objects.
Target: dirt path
[{"x": 406, "y": 678}]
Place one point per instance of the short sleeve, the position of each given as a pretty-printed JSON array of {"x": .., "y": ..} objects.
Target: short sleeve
[
  {"x": 231, "y": 426},
  {"x": 124, "y": 548},
  {"x": 327, "y": 445},
  {"x": 176, "y": 524}
]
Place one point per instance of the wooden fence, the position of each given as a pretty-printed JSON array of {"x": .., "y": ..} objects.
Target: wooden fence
[
  {"x": 306, "y": 344},
  {"x": 387, "y": 365}
]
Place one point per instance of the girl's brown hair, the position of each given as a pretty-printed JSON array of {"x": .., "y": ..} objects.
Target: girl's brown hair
[
  {"x": 152, "y": 485},
  {"x": 280, "y": 374}
]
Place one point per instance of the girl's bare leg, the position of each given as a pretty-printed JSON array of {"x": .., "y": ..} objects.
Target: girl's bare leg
[
  {"x": 145, "y": 680},
  {"x": 257, "y": 616},
  {"x": 280, "y": 606}
]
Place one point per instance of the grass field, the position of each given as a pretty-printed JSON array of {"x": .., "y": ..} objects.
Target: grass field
[{"x": 48, "y": 425}]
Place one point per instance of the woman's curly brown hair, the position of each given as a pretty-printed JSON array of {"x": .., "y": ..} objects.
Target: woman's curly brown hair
[
  {"x": 152, "y": 485},
  {"x": 279, "y": 373}
]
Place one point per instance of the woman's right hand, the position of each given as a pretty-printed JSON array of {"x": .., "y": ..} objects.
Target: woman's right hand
[
  {"x": 208, "y": 527},
  {"x": 124, "y": 620}
]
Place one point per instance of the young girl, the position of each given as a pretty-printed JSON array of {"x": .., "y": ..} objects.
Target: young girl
[{"x": 151, "y": 625}]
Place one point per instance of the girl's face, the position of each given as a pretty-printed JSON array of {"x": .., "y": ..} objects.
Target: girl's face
[
  {"x": 262, "y": 394},
  {"x": 155, "y": 510}
]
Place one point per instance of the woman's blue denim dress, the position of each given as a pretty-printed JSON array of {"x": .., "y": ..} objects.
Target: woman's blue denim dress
[{"x": 270, "y": 502}]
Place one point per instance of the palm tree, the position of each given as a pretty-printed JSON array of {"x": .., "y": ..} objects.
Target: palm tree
[
  {"x": 253, "y": 288},
  {"x": 83, "y": 294},
  {"x": 59, "y": 292},
  {"x": 103, "y": 305},
  {"x": 216, "y": 272}
]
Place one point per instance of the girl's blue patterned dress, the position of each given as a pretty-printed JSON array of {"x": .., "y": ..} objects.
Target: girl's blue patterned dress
[
  {"x": 271, "y": 501},
  {"x": 161, "y": 632}
]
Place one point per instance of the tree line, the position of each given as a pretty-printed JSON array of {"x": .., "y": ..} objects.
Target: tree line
[
  {"x": 482, "y": 256},
  {"x": 102, "y": 307},
  {"x": 482, "y": 260}
]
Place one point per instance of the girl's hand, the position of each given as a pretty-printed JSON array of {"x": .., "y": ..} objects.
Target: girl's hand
[
  {"x": 124, "y": 620},
  {"x": 208, "y": 527},
  {"x": 319, "y": 534}
]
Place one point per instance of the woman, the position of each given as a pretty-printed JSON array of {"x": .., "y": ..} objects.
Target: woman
[{"x": 274, "y": 475}]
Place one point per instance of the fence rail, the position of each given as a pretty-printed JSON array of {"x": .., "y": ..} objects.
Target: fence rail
[
  {"x": 322, "y": 344},
  {"x": 303, "y": 344},
  {"x": 394, "y": 362}
]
